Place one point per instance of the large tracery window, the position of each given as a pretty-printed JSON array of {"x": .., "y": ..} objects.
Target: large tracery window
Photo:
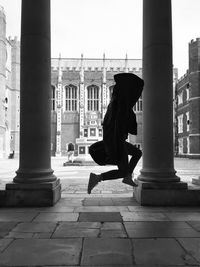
[
  {"x": 70, "y": 98},
  {"x": 93, "y": 98},
  {"x": 53, "y": 97}
]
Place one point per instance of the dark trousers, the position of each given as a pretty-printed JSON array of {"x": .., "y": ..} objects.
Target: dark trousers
[{"x": 125, "y": 167}]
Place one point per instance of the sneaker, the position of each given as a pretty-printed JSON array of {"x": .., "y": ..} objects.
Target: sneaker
[
  {"x": 93, "y": 181},
  {"x": 128, "y": 180}
]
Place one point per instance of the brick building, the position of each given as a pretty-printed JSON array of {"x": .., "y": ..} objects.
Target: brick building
[{"x": 187, "y": 141}]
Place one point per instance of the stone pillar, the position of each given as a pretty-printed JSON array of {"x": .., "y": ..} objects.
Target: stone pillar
[
  {"x": 35, "y": 183},
  {"x": 158, "y": 163}
]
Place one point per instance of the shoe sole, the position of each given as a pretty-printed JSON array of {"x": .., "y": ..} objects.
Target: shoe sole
[{"x": 129, "y": 183}]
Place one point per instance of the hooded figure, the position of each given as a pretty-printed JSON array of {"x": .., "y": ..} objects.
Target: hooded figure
[
  {"x": 119, "y": 121},
  {"x": 120, "y": 118}
]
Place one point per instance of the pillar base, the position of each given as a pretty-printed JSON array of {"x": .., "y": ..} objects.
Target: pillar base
[
  {"x": 31, "y": 195},
  {"x": 169, "y": 194}
]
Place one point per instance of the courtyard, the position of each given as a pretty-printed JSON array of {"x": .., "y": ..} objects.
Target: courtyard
[
  {"x": 74, "y": 179},
  {"x": 106, "y": 228}
]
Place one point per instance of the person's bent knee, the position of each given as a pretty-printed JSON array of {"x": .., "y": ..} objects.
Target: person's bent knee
[{"x": 123, "y": 173}]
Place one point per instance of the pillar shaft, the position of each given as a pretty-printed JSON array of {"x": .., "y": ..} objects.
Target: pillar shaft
[
  {"x": 35, "y": 82},
  {"x": 158, "y": 162}
]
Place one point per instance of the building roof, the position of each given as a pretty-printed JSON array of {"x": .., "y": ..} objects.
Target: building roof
[{"x": 97, "y": 64}]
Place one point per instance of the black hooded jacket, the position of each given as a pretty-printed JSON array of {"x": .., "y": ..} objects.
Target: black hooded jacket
[{"x": 120, "y": 119}]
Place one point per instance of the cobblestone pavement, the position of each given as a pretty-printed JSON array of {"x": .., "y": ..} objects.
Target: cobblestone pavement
[{"x": 107, "y": 228}]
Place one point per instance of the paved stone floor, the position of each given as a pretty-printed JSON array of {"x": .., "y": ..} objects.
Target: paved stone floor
[{"x": 106, "y": 228}]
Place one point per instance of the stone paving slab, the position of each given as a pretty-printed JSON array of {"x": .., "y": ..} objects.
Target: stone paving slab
[
  {"x": 110, "y": 201},
  {"x": 192, "y": 245},
  {"x": 161, "y": 251},
  {"x": 112, "y": 233},
  {"x": 32, "y": 230},
  {"x": 146, "y": 209},
  {"x": 42, "y": 252},
  {"x": 77, "y": 230},
  {"x": 6, "y": 227},
  {"x": 16, "y": 235},
  {"x": 56, "y": 217},
  {"x": 4, "y": 243},
  {"x": 183, "y": 216},
  {"x": 75, "y": 225},
  {"x": 112, "y": 226},
  {"x": 100, "y": 209},
  {"x": 159, "y": 230},
  {"x": 144, "y": 216},
  {"x": 195, "y": 225},
  {"x": 100, "y": 217},
  {"x": 13, "y": 216},
  {"x": 105, "y": 251},
  {"x": 57, "y": 209},
  {"x": 35, "y": 227}
]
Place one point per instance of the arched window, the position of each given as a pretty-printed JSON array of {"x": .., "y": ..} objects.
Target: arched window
[
  {"x": 93, "y": 98},
  {"x": 53, "y": 97},
  {"x": 71, "y": 98}
]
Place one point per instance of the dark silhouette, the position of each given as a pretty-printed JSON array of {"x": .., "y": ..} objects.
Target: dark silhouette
[
  {"x": 11, "y": 155},
  {"x": 119, "y": 120}
]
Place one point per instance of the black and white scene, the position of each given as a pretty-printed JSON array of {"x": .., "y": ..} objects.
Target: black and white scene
[{"x": 99, "y": 133}]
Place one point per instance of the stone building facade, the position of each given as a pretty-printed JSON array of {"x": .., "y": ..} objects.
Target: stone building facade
[
  {"x": 9, "y": 90},
  {"x": 187, "y": 141},
  {"x": 81, "y": 91}
]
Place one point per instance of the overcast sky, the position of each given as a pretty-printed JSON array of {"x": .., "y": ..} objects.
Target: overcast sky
[{"x": 92, "y": 27}]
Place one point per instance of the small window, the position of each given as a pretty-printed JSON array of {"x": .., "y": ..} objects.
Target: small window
[
  {"x": 180, "y": 145},
  {"x": 53, "y": 98},
  {"x": 180, "y": 98},
  {"x": 92, "y": 132},
  {"x": 188, "y": 121},
  {"x": 180, "y": 123},
  {"x": 100, "y": 132},
  {"x": 85, "y": 132},
  {"x": 81, "y": 149},
  {"x": 187, "y": 94}
]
